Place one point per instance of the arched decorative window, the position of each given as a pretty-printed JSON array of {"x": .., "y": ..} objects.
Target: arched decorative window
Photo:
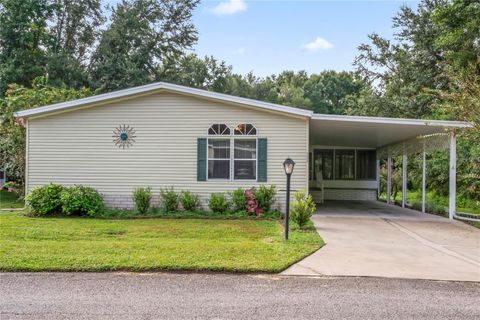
[
  {"x": 232, "y": 155},
  {"x": 219, "y": 129},
  {"x": 245, "y": 129}
]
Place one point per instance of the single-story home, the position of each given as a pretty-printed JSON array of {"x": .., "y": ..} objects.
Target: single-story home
[{"x": 162, "y": 135}]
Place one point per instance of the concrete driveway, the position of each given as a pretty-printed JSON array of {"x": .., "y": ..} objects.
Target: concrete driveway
[{"x": 369, "y": 238}]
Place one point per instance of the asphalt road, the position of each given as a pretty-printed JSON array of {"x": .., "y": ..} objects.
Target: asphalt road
[{"x": 221, "y": 296}]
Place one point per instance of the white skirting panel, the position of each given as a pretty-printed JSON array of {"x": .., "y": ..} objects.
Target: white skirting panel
[{"x": 346, "y": 194}]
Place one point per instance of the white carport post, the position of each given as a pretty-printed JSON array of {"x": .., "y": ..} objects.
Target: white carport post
[
  {"x": 378, "y": 178},
  {"x": 404, "y": 177},
  {"x": 424, "y": 177},
  {"x": 453, "y": 175},
  {"x": 389, "y": 179}
]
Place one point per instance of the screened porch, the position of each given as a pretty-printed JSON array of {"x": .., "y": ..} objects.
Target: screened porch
[{"x": 345, "y": 154}]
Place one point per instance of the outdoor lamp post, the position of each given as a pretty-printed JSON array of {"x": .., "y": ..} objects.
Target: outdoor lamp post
[{"x": 288, "y": 165}]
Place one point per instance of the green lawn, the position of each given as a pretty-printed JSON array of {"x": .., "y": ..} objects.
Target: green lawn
[
  {"x": 82, "y": 244},
  {"x": 9, "y": 200},
  {"x": 463, "y": 205}
]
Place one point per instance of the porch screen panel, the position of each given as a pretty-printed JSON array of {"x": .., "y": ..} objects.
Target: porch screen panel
[
  {"x": 323, "y": 158},
  {"x": 345, "y": 164},
  {"x": 366, "y": 161}
]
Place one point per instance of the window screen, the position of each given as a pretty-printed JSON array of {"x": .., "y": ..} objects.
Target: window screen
[
  {"x": 344, "y": 164},
  {"x": 219, "y": 158},
  {"x": 245, "y": 159},
  {"x": 366, "y": 161},
  {"x": 323, "y": 161}
]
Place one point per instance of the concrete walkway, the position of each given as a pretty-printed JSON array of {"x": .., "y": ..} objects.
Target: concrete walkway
[{"x": 378, "y": 240}]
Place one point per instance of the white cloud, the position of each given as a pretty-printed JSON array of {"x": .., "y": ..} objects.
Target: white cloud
[
  {"x": 318, "y": 44},
  {"x": 229, "y": 7},
  {"x": 240, "y": 51}
]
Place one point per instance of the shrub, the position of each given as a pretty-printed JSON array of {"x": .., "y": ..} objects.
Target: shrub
[
  {"x": 252, "y": 204},
  {"x": 218, "y": 203},
  {"x": 81, "y": 200},
  {"x": 265, "y": 197},
  {"x": 142, "y": 198},
  {"x": 417, "y": 206},
  {"x": 238, "y": 199},
  {"x": 432, "y": 207},
  {"x": 169, "y": 199},
  {"x": 302, "y": 208},
  {"x": 189, "y": 201},
  {"x": 45, "y": 199}
]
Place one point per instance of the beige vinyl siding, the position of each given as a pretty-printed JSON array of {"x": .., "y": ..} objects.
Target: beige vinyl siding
[{"x": 76, "y": 147}]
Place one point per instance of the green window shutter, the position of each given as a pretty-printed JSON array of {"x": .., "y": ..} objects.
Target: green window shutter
[
  {"x": 262, "y": 160},
  {"x": 202, "y": 159}
]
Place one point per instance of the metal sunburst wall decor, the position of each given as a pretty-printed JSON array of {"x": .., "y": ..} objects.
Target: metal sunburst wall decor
[{"x": 123, "y": 136}]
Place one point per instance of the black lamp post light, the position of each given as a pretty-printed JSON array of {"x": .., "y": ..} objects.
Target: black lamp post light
[{"x": 288, "y": 166}]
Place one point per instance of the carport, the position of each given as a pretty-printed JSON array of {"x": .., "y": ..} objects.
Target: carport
[{"x": 345, "y": 154}]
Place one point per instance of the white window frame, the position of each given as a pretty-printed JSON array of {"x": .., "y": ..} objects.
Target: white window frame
[
  {"x": 229, "y": 159},
  {"x": 241, "y": 159},
  {"x": 232, "y": 137}
]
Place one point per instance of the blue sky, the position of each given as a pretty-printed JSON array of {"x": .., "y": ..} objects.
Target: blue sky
[{"x": 269, "y": 36}]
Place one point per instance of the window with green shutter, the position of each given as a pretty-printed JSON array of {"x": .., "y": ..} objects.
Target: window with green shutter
[{"x": 232, "y": 154}]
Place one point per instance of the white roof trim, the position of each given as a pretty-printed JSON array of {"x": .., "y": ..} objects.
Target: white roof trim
[
  {"x": 165, "y": 86},
  {"x": 101, "y": 98},
  {"x": 379, "y": 120}
]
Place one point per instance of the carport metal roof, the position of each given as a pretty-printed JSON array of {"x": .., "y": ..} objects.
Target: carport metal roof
[{"x": 373, "y": 132}]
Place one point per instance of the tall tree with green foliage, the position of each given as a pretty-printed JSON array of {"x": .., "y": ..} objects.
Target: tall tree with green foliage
[
  {"x": 402, "y": 68},
  {"x": 459, "y": 36},
  {"x": 333, "y": 92},
  {"x": 430, "y": 70},
  {"x": 142, "y": 35},
  {"x": 192, "y": 71},
  {"x": 74, "y": 27},
  {"x": 23, "y": 35}
]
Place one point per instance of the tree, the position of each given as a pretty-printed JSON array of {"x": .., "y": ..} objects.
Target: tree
[
  {"x": 462, "y": 102},
  {"x": 142, "y": 35},
  {"x": 459, "y": 38},
  {"x": 23, "y": 34},
  {"x": 208, "y": 73},
  {"x": 12, "y": 131},
  {"x": 401, "y": 69},
  {"x": 332, "y": 92},
  {"x": 431, "y": 69},
  {"x": 74, "y": 28}
]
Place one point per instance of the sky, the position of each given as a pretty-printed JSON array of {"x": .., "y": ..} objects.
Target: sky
[{"x": 270, "y": 36}]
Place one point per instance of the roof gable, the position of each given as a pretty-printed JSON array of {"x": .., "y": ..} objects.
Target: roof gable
[{"x": 159, "y": 86}]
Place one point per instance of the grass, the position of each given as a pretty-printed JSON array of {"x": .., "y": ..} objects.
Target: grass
[
  {"x": 83, "y": 244},
  {"x": 463, "y": 205},
  {"x": 9, "y": 200}
]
